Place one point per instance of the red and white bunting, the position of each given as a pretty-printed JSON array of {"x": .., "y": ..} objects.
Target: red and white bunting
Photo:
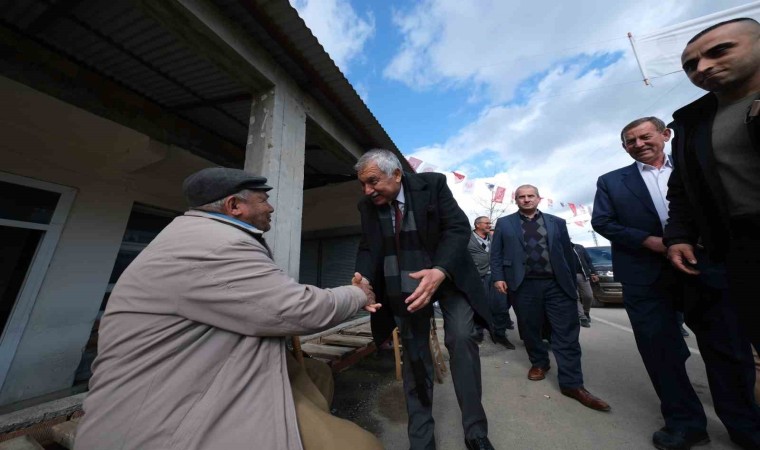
[
  {"x": 498, "y": 195},
  {"x": 414, "y": 162},
  {"x": 458, "y": 176},
  {"x": 469, "y": 187},
  {"x": 573, "y": 209}
]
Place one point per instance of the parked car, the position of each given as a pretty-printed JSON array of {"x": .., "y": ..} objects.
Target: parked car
[{"x": 607, "y": 290}]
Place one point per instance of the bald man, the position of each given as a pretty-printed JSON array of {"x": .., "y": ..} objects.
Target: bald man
[{"x": 714, "y": 190}]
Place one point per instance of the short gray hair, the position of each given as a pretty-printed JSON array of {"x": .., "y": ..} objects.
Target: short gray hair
[
  {"x": 659, "y": 125},
  {"x": 217, "y": 205},
  {"x": 385, "y": 159},
  {"x": 525, "y": 186}
]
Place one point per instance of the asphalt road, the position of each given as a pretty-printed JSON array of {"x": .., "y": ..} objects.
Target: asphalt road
[{"x": 527, "y": 414}]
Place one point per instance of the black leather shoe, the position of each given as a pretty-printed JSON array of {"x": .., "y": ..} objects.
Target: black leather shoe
[
  {"x": 480, "y": 443},
  {"x": 503, "y": 341},
  {"x": 667, "y": 439}
]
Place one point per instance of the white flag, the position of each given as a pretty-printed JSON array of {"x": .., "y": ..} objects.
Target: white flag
[{"x": 660, "y": 52}]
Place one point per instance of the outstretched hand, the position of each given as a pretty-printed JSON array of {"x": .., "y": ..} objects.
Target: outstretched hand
[
  {"x": 362, "y": 283},
  {"x": 430, "y": 279}
]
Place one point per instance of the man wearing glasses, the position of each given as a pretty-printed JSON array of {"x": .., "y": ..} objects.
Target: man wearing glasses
[{"x": 480, "y": 249}]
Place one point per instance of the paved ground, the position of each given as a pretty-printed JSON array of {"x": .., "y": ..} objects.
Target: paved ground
[{"x": 525, "y": 414}]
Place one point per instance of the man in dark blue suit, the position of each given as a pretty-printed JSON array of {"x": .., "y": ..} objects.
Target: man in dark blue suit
[
  {"x": 631, "y": 209},
  {"x": 532, "y": 257}
]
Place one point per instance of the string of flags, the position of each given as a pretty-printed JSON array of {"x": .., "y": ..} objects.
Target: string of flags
[{"x": 498, "y": 193}]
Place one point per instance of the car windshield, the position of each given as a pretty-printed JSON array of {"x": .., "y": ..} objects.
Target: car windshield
[{"x": 600, "y": 256}]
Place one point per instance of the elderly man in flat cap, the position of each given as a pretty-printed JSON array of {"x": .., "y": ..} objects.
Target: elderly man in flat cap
[{"x": 191, "y": 352}]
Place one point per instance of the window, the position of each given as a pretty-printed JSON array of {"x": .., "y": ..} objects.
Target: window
[
  {"x": 32, "y": 215},
  {"x": 145, "y": 222}
]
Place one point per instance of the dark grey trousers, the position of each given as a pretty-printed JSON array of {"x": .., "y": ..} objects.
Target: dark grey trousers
[{"x": 464, "y": 362}]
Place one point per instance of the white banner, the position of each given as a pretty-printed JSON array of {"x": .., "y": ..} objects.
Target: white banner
[{"x": 660, "y": 53}]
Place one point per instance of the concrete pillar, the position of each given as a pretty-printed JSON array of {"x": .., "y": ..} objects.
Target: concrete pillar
[{"x": 276, "y": 149}]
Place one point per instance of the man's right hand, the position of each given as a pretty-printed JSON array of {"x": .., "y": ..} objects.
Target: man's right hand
[
  {"x": 362, "y": 283},
  {"x": 501, "y": 286},
  {"x": 654, "y": 243},
  {"x": 682, "y": 257}
]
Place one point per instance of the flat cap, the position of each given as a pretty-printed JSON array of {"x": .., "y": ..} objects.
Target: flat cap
[{"x": 214, "y": 183}]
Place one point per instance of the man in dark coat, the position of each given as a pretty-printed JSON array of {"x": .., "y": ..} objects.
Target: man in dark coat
[
  {"x": 630, "y": 209},
  {"x": 532, "y": 256},
  {"x": 714, "y": 191},
  {"x": 585, "y": 275},
  {"x": 414, "y": 251}
]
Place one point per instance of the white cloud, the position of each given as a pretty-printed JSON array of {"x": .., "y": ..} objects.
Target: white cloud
[{"x": 340, "y": 30}]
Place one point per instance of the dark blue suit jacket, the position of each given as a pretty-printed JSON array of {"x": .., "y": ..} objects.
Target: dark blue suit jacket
[
  {"x": 624, "y": 213},
  {"x": 508, "y": 253}
]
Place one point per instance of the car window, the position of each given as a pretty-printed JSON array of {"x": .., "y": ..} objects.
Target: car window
[{"x": 600, "y": 256}]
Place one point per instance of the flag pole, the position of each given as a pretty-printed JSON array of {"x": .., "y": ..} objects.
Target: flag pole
[{"x": 638, "y": 61}]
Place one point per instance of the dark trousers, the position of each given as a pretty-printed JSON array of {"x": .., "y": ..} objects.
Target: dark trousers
[
  {"x": 743, "y": 264},
  {"x": 499, "y": 305},
  {"x": 651, "y": 309},
  {"x": 535, "y": 300},
  {"x": 464, "y": 361},
  {"x": 728, "y": 362}
]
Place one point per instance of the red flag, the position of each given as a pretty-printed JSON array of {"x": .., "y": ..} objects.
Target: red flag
[
  {"x": 498, "y": 196},
  {"x": 572, "y": 208},
  {"x": 469, "y": 186},
  {"x": 414, "y": 162},
  {"x": 580, "y": 223},
  {"x": 512, "y": 198},
  {"x": 458, "y": 177}
]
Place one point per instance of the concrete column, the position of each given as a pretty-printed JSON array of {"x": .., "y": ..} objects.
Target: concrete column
[{"x": 276, "y": 149}]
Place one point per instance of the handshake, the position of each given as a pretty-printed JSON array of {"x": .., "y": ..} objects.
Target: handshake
[{"x": 363, "y": 284}]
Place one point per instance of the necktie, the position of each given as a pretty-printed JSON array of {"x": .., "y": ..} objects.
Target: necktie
[
  {"x": 399, "y": 218},
  {"x": 483, "y": 244}
]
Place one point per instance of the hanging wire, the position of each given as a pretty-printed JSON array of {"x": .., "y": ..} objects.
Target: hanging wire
[{"x": 560, "y": 50}]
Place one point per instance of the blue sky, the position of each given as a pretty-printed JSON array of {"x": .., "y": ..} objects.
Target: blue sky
[{"x": 507, "y": 92}]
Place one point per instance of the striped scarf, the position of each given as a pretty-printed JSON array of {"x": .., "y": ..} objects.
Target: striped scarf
[{"x": 399, "y": 262}]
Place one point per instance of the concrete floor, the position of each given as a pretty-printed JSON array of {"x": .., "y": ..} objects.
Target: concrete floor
[{"x": 526, "y": 414}]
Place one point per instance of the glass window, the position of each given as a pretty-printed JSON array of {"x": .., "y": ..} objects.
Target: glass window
[
  {"x": 144, "y": 224},
  {"x": 27, "y": 204},
  {"x": 600, "y": 256},
  {"x": 19, "y": 247}
]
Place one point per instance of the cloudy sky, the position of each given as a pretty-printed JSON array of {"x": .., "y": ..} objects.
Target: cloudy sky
[{"x": 507, "y": 92}]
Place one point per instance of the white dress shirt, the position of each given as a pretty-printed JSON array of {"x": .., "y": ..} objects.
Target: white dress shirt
[{"x": 656, "y": 181}]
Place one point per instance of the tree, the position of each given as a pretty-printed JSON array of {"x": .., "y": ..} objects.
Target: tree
[{"x": 490, "y": 208}]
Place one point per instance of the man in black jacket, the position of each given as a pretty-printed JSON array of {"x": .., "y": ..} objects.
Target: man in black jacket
[
  {"x": 714, "y": 191},
  {"x": 413, "y": 251},
  {"x": 585, "y": 275}
]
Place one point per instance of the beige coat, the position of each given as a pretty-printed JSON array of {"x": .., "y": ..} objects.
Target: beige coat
[{"x": 191, "y": 353}]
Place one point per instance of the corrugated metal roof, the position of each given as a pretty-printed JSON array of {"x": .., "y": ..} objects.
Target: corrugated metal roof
[{"x": 120, "y": 41}]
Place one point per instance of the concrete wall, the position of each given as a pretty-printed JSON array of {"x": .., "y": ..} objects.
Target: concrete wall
[
  {"x": 111, "y": 167},
  {"x": 332, "y": 206}
]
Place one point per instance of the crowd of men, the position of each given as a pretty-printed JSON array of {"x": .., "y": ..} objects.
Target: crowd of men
[{"x": 192, "y": 348}]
